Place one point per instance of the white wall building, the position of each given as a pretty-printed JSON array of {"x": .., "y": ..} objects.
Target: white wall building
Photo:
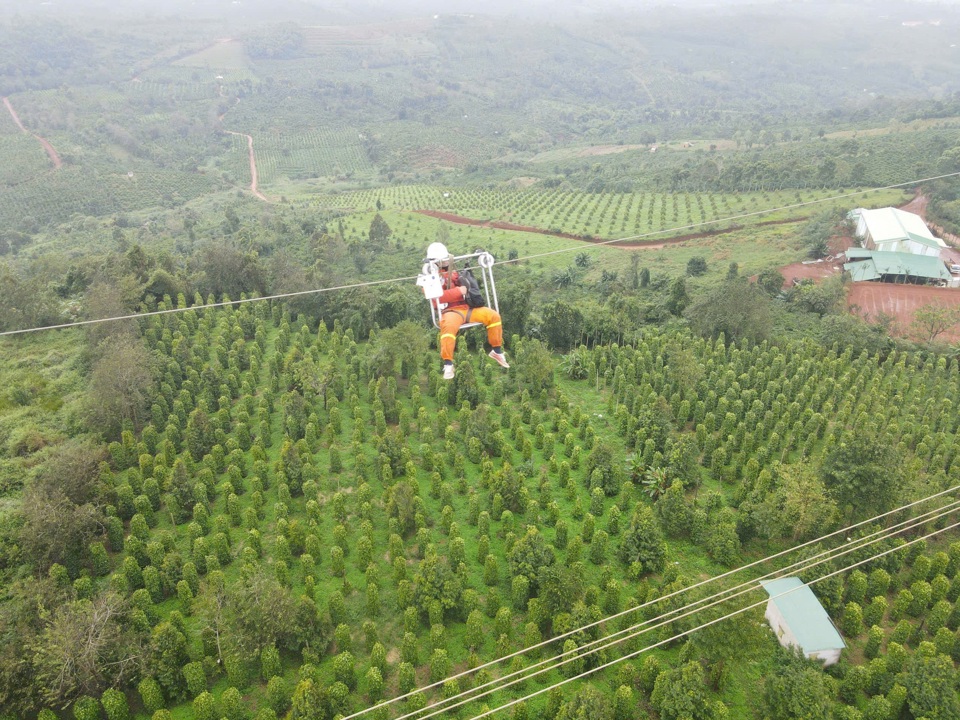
[{"x": 892, "y": 230}]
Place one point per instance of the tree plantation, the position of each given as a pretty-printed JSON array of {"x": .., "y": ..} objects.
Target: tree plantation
[
  {"x": 289, "y": 521},
  {"x": 234, "y": 484}
]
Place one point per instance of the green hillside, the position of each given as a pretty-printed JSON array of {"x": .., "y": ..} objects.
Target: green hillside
[
  {"x": 257, "y": 498},
  {"x": 296, "y": 509}
]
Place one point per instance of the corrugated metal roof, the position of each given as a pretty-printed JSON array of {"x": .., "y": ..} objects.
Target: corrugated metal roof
[
  {"x": 808, "y": 621},
  {"x": 928, "y": 241},
  {"x": 887, "y": 224},
  {"x": 877, "y": 263},
  {"x": 862, "y": 271}
]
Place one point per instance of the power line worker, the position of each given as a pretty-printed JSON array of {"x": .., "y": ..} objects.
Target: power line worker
[{"x": 455, "y": 311}]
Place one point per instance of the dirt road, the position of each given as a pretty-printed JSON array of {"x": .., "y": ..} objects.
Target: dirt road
[
  {"x": 623, "y": 244},
  {"x": 918, "y": 206},
  {"x": 254, "y": 182},
  {"x": 51, "y": 152}
]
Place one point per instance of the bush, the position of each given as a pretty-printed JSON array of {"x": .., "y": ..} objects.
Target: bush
[
  {"x": 115, "y": 705},
  {"x": 151, "y": 695},
  {"x": 205, "y": 707},
  {"x": 270, "y": 663},
  {"x": 232, "y": 706},
  {"x": 86, "y": 708},
  {"x": 196, "y": 678},
  {"x": 696, "y": 266},
  {"x": 278, "y": 694}
]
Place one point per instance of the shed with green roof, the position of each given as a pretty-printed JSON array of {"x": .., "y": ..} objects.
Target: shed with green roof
[
  {"x": 895, "y": 267},
  {"x": 799, "y": 620}
]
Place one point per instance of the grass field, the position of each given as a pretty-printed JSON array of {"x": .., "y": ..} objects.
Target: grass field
[
  {"x": 41, "y": 401},
  {"x": 225, "y": 54}
]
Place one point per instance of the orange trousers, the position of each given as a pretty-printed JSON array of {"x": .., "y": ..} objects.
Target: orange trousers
[{"x": 451, "y": 320}]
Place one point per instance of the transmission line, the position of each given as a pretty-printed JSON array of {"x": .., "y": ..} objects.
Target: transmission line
[
  {"x": 588, "y": 248},
  {"x": 666, "y": 618},
  {"x": 707, "y": 624},
  {"x": 878, "y": 535}
]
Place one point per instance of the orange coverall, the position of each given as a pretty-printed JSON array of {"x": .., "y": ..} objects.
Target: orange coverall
[{"x": 456, "y": 313}]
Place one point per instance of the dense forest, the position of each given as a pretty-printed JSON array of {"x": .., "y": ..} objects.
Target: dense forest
[{"x": 254, "y": 497}]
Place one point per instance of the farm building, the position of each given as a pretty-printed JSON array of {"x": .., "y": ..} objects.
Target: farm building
[
  {"x": 896, "y": 267},
  {"x": 799, "y": 620},
  {"x": 892, "y": 230}
]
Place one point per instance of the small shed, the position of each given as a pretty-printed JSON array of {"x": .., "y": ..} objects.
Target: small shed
[
  {"x": 896, "y": 267},
  {"x": 799, "y": 620}
]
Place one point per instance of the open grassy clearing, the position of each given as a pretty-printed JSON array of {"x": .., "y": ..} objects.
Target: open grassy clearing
[
  {"x": 225, "y": 54},
  {"x": 41, "y": 400}
]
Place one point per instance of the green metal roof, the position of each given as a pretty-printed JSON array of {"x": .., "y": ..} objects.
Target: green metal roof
[
  {"x": 804, "y": 614},
  {"x": 875, "y": 264},
  {"x": 862, "y": 271}
]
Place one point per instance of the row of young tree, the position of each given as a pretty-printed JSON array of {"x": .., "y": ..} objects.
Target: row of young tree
[{"x": 323, "y": 523}]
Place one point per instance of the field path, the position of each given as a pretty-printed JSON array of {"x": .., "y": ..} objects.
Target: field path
[
  {"x": 254, "y": 182},
  {"x": 51, "y": 152},
  {"x": 623, "y": 244},
  {"x": 639, "y": 78}
]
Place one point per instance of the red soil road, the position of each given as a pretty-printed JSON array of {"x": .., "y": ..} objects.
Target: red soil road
[
  {"x": 625, "y": 244},
  {"x": 51, "y": 152},
  {"x": 918, "y": 206},
  {"x": 253, "y": 165}
]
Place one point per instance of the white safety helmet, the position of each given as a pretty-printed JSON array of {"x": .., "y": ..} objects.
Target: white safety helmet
[{"x": 438, "y": 253}]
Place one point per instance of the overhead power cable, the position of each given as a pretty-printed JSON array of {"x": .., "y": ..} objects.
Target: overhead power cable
[
  {"x": 667, "y": 618},
  {"x": 552, "y": 640},
  {"x": 729, "y": 615},
  {"x": 588, "y": 248},
  {"x": 227, "y": 303}
]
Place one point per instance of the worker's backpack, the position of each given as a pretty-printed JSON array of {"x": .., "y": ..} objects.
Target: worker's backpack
[{"x": 473, "y": 297}]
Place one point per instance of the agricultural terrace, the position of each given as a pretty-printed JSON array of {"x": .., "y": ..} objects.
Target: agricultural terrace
[{"x": 289, "y": 472}]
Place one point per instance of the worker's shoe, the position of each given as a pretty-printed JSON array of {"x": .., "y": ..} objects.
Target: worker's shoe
[
  {"x": 448, "y": 372},
  {"x": 500, "y": 358}
]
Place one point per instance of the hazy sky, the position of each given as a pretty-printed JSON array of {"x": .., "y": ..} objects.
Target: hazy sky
[{"x": 345, "y": 11}]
